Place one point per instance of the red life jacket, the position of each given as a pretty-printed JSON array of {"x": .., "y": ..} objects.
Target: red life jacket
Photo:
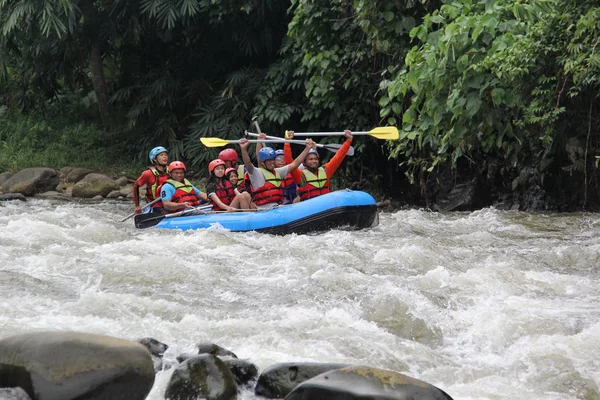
[
  {"x": 225, "y": 192},
  {"x": 288, "y": 185},
  {"x": 315, "y": 185},
  {"x": 183, "y": 192},
  {"x": 153, "y": 191},
  {"x": 271, "y": 191}
]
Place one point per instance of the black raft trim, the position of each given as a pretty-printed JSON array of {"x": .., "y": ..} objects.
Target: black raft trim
[{"x": 357, "y": 217}]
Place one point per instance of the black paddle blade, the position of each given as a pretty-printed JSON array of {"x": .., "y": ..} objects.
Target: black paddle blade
[{"x": 147, "y": 220}]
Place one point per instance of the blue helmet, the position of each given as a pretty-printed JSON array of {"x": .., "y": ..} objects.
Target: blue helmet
[
  {"x": 313, "y": 151},
  {"x": 266, "y": 153},
  {"x": 156, "y": 151},
  {"x": 279, "y": 152}
]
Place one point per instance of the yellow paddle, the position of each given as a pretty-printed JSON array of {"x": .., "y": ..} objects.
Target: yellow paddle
[
  {"x": 218, "y": 142},
  {"x": 382, "y": 132}
]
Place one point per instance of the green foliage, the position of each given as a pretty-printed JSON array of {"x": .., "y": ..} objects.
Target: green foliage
[
  {"x": 26, "y": 141},
  {"x": 484, "y": 81}
]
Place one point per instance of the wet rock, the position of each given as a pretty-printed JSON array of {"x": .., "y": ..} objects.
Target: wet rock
[
  {"x": 243, "y": 371},
  {"x": 12, "y": 196},
  {"x": 31, "y": 181},
  {"x": 77, "y": 174},
  {"x": 214, "y": 349},
  {"x": 93, "y": 185},
  {"x": 126, "y": 191},
  {"x": 278, "y": 380},
  {"x": 115, "y": 194},
  {"x": 156, "y": 349},
  {"x": 64, "y": 172},
  {"x": 364, "y": 383},
  {"x": 14, "y": 394},
  {"x": 74, "y": 365},
  {"x": 462, "y": 197},
  {"x": 203, "y": 376}
]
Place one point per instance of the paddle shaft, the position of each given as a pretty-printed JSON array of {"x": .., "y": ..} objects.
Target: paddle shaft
[
  {"x": 146, "y": 223},
  {"x": 145, "y": 206},
  {"x": 331, "y": 147},
  {"x": 330, "y": 133}
]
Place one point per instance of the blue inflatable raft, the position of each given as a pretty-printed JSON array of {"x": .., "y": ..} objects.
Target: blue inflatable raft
[{"x": 342, "y": 208}]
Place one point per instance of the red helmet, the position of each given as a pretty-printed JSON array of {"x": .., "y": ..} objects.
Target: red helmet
[
  {"x": 214, "y": 164},
  {"x": 228, "y": 170},
  {"x": 176, "y": 165},
  {"x": 228, "y": 155}
]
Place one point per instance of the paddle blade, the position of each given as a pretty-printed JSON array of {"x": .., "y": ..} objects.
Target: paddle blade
[
  {"x": 214, "y": 142},
  {"x": 147, "y": 220},
  {"x": 335, "y": 147},
  {"x": 385, "y": 133}
]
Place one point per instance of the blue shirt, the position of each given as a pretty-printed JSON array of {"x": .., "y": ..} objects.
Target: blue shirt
[{"x": 168, "y": 190}]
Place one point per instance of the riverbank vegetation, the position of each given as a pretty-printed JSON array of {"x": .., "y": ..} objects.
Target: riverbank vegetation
[{"x": 499, "y": 97}]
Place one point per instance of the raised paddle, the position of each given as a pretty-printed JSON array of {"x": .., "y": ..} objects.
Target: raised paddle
[
  {"x": 332, "y": 146},
  {"x": 218, "y": 142},
  {"x": 382, "y": 132},
  {"x": 151, "y": 219},
  {"x": 146, "y": 206}
]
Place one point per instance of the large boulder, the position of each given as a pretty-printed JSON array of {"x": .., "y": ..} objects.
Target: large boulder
[
  {"x": 13, "y": 394},
  {"x": 203, "y": 376},
  {"x": 74, "y": 365},
  {"x": 93, "y": 185},
  {"x": 364, "y": 383},
  {"x": 31, "y": 181},
  {"x": 214, "y": 349},
  {"x": 243, "y": 371},
  {"x": 278, "y": 380}
]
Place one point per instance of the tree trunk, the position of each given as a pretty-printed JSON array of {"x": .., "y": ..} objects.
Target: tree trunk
[{"x": 101, "y": 88}]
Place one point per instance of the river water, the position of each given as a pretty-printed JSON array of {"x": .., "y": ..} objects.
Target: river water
[{"x": 484, "y": 305}]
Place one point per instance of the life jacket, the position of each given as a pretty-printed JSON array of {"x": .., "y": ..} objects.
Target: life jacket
[
  {"x": 225, "y": 192},
  {"x": 183, "y": 192},
  {"x": 152, "y": 191},
  {"x": 315, "y": 185},
  {"x": 271, "y": 191},
  {"x": 288, "y": 186}
]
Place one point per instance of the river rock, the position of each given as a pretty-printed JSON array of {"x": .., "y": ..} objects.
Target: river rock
[
  {"x": 364, "y": 383},
  {"x": 75, "y": 365},
  {"x": 243, "y": 371},
  {"x": 93, "y": 185},
  {"x": 278, "y": 380},
  {"x": 14, "y": 394},
  {"x": 115, "y": 194},
  {"x": 122, "y": 181},
  {"x": 31, "y": 181},
  {"x": 12, "y": 196},
  {"x": 214, "y": 349},
  {"x": 203, "y": 376},
  {"x": 157, "y": 350},
  {"x": 4, "y": 177},
  {"x": 126, "y": 191},
  {"x": 77, "y": 174}
]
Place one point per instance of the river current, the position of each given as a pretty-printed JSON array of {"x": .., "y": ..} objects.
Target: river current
[{"x": 484, "y": 305}]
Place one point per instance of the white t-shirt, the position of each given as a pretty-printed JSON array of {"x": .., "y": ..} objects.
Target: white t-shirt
[{"x": 257, "y": 179}]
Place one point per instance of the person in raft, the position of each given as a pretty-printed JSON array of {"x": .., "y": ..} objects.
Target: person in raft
[
  {"x": 222, "y": 194},
  {"x": 232, "y": 176},
  {"x": 265, "y": 181},
  {"x": 231, "y": 159},
  {"x": 288, "y": 184},
  {"x": 177, "y": 193},
  {"x": 153, "y": 178},
  {"x": 314, "y": 179}
]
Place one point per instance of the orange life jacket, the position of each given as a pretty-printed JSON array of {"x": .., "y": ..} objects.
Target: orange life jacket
[
  {"x": 225, "y": 192},
  {"x": 184, "y": 191},
  {"x": 315, "y": 185},
  {"x": 152, "y": 191},
  {"x": 271, "y": 191}
]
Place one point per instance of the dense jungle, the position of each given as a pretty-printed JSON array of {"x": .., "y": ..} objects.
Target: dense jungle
[{"x": 497, "y": 101}]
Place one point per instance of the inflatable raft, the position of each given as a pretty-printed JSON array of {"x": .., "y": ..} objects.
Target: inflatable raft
[{"x": 342, "y": 208}]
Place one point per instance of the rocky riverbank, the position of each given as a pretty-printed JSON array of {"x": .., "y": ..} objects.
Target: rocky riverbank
[{"x": 84, "y": 366}]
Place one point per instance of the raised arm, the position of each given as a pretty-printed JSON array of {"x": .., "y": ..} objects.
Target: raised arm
[
  {"x": 336, "y": 160},
  {"x": 245, "y": 156}
]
